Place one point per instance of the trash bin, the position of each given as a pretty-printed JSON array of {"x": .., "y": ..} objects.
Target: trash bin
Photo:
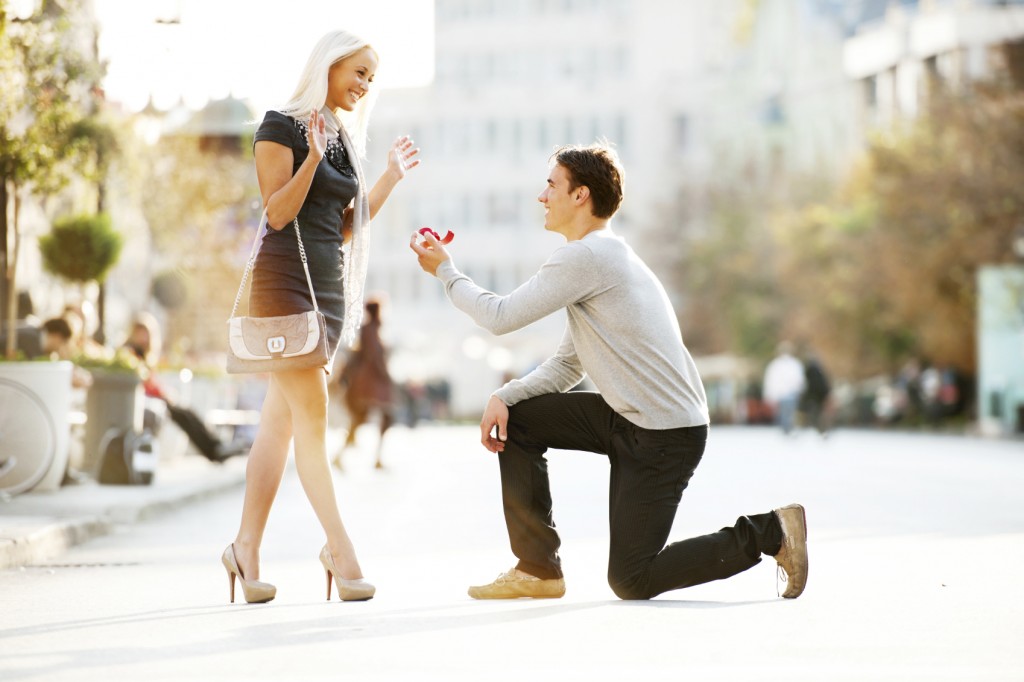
[{"x": 114, "y": 402}]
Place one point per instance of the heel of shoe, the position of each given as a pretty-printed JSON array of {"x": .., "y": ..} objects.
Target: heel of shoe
[
  {"x": 254, "y": 591},
  {"x": 228, "y": 560},
  {"x": 328, "y": 563},
  {"x": 348, "y": 590},
  {"x": 231, "y": 585}
]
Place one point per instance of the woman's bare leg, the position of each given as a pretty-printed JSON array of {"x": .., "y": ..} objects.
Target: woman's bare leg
[
  {"x": 263, "y": 474},
  {"x": 306, "y": 394}
]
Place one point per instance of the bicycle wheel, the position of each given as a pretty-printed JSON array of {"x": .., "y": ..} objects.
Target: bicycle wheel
[{"x": 28, "y": 438}]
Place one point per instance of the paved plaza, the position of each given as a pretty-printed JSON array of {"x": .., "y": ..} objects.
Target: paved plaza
[{"x": 915, "y": 547}]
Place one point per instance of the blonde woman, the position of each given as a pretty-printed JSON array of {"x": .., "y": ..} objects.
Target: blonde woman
[{"x": 308, "y": 168}]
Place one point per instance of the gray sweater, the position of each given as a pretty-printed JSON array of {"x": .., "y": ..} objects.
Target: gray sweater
[{"x": 621, "y": 331}]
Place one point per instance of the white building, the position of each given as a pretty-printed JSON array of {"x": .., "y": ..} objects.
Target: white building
[
  {"x": 898, "y": 59},
  {"x": 682, "y": 89}
]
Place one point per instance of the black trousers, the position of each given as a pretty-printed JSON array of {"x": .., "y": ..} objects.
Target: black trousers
[{"x": 649, "y": 471}]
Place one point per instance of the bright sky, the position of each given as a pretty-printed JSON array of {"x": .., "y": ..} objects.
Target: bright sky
[{"x": 252, "y": 50}]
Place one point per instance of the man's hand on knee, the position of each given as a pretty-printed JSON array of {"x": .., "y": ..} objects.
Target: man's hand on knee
[{"x": 495, "y": 418}]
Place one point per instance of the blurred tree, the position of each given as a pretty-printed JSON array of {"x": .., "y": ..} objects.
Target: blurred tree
[
  {"x": 199, "y": 205},
  {"x": 81, "y": 248},
  {"x": 47, "y": 77},
  {"x": 889, "y": 269},
  {"x": 723, "y": 267}
]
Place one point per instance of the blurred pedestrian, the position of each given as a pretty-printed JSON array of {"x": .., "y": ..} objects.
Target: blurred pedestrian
[
  {"x": 815, "y": 399},
  {"x": 144, "y": 343},
  {"x": 310, "y": 178},
  {"x": 649, "y": 418},
  {"x": 367, "y": 383},
  {"x": 908, "y": 390},
  {"x": 83, "y": 320},
  {"x": 58, "y": 343},
  {"x": 784, "y": 382}
]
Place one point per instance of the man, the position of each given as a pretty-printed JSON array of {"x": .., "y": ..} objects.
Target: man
[
  {"x": 816, "y": 392},
  {"x": 58, "y": 343},
  {"x": 784, "y": 383},
  {"x": 650, "y": 417}
]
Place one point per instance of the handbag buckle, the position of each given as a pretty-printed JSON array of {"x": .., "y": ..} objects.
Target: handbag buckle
[{"x": 275, "y": 344}]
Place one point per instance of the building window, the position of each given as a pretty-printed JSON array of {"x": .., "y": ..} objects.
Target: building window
[
  {"x": 870, "y": 92},
  {"x": 620, "y": 140},
  {"x": 680, "y": 133},
  {"x": 502, "y": 209}
]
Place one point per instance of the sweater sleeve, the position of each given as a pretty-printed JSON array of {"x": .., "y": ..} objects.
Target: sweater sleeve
[
  {"x": 563, "y": 280},
  {"x": 557, "y": 374}
]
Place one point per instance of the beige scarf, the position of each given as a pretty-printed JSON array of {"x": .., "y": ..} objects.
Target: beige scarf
[{"x": 356, "y": 254}]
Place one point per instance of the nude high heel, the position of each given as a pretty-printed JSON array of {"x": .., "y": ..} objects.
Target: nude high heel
[
  {"x": 348, "y": 590},
  {"x": 255, "y": 592}
]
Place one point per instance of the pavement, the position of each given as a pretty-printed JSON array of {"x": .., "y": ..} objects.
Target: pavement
[
  {"x": 916, "y": 542},
  {"x": 37, "y": 526}
]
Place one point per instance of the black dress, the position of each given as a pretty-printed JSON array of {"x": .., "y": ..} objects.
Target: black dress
[{"x": 278, "y": 283}]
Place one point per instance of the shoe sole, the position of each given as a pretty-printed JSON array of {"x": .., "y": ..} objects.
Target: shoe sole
[
  {"x": 803, "y": 541},
  {"x": 517, "y": 596},
  {"x": 477, "y": 593}
]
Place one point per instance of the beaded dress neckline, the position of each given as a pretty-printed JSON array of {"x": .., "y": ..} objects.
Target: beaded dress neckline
[{"x": 335, "y": 152}]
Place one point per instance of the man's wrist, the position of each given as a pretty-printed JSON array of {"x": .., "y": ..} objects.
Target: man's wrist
[{"x": 445, "y": 269}]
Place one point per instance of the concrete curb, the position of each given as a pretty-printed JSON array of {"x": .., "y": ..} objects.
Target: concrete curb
[
  {"x": 47, "y": 540},
  {"x": 35, "y": 528}
]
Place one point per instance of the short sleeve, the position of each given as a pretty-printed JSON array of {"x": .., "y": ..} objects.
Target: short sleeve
[{"x": 276, "y": 127}]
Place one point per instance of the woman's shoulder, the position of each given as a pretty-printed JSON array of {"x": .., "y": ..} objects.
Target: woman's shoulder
[
  {"x": 276, "y": 127},
  {"x": 273, "y": 115}
]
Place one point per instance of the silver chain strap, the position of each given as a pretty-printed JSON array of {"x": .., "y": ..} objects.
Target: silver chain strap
[{"x": 252, "y": 260}]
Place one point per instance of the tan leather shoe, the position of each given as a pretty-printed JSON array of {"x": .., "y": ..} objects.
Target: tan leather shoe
[
  {"x": 348, "y": 590},
  {"x": 514, "y": 584},
  {"x": 792, "y": 557},
  {"x": 255, "y": 592}
]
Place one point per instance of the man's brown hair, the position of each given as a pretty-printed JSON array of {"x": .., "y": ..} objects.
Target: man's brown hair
[{"x": 596, "y": 167}]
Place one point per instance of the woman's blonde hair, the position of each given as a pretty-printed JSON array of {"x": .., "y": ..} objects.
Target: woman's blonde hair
[{"x": 311, "y": 92}]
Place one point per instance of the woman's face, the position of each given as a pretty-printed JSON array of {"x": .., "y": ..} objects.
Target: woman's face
[{"x": 349, "y": 79}]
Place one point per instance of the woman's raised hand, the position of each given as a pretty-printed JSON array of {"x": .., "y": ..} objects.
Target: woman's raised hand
[
  {"x": 400, "y": 156},
  {"x": 316, "y": 134}
]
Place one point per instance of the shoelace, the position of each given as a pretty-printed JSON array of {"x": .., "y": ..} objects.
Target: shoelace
[
  {"x": 780, "y": 574},
  {"x": 504, "y": 577},
  {"x": 510, "y": 575}
]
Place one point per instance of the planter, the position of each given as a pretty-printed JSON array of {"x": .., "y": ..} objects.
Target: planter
[
  {"x": 114, "y": 402},
  {"x": 35, "y": 405}
]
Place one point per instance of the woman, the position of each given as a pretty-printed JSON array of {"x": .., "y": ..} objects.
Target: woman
[
  {"x": 308, "y": 169},
  {"x": 367, "y": 382}
]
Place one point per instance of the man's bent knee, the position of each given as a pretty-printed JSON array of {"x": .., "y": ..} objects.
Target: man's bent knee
[{"x": 629, "y": 587}]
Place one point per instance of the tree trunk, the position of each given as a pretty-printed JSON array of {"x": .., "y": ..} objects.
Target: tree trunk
[
  {"x": 3, "y": 252},
  {"x": 10, "y": 272},
  {"x": 100, "y": 336}
]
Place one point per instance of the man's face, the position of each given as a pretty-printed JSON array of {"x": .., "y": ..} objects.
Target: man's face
[
  {"x": 52, "y": 343},
  {"x": 559, "y": 202}
]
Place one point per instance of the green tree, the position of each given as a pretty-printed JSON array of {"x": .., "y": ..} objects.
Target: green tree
[
  {"x": 727, "y": 274},
  {"x": 48, "y": 74},
  {"x": 81, "y": 248},
  {"x": 200, "y": 205}
]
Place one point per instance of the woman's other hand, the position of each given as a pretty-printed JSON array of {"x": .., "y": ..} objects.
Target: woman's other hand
[{"x": 401, "y": 156}]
